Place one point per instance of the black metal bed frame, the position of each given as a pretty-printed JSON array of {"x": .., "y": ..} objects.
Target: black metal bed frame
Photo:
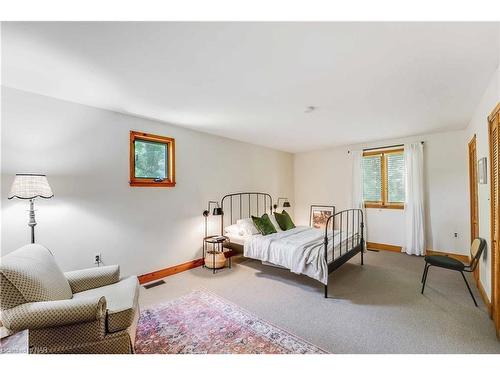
[
  {"x": 349, "y": 219},
  {"x": 341, "y": 221},
  {"x": 243, "y": 202}
]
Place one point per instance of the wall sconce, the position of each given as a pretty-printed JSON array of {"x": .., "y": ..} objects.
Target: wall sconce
[
  {"x": 216, "y": 212},
  {"x": 286, "y": 203}
]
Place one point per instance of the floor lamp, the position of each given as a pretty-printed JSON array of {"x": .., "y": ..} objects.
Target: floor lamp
[{"x": 30, "y": 186}]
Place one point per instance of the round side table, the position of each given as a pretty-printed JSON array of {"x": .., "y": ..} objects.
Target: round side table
[{"x": 215, "y": 255}]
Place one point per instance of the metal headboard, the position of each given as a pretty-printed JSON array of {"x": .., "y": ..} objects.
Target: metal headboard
[{"x": 243, "y": 205}]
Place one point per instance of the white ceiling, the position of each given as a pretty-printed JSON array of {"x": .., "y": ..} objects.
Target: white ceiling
[{"x": 253, "y": 81}]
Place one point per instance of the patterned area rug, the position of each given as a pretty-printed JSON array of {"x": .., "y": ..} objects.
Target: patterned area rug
[{"x": 204, "y": 323}]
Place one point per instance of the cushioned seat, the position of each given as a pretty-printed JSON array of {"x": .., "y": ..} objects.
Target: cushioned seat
[
  {"x": 85, "y": 311},
  {"x": 444, "y": 262},
  {"x": 122, "y": 302}
]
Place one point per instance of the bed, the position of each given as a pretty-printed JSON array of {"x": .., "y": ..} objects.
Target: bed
[{"x": 303, "y": 250}]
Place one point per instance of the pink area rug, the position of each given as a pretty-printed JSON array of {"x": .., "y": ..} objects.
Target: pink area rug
[{"x": 204, "y": 323}]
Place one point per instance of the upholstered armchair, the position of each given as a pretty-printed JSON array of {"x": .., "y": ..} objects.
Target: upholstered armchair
[{"x": 86, "y": 311}]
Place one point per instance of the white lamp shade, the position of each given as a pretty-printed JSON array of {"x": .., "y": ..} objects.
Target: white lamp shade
[{"x": 29, "y": 186}]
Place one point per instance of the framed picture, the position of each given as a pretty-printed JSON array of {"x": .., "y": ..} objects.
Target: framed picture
[
  {"x": 319, "y": 215},
  {"x": 481, "y": 171}
]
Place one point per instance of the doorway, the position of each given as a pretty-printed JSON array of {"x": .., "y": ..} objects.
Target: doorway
[
  {"x": 474, "y": 214},
  {"x": 494, "y": 141}
]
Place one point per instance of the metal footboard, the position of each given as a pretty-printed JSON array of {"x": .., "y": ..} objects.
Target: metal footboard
[{"x": 350, "y": 226}]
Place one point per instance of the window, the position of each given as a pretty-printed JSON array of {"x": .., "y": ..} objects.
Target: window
[
  {"x": 152, "y": 160},
  {"x": 384, "y": 178}
]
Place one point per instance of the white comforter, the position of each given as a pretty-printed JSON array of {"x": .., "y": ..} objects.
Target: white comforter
[{"x": 301, "y": 250}]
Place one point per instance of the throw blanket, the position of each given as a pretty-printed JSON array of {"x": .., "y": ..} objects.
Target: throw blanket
[{"x": 301, "y": 250}]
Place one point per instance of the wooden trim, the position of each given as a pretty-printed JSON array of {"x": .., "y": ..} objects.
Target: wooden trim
[
  {"x": 383, "y": 151},
  {"x": 169, "y": 271},
  {"x": 494, "y": 112},
  {"x": 484, "y": 297},
  {"x": 149, "y": 182},
  {"x": 473, "y": 195},
  {"x": 392, "y": 206},
  {"x": 462, "y": 258},
  {"x": 383, "y": 246}
]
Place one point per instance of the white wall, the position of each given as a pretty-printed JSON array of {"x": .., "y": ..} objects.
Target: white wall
[
  {"x": 325, "y": 177},
  {"x": 479, "y": 126},
  {"x": 85, "y": 153}
]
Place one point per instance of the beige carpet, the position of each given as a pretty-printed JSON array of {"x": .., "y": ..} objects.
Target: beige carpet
[{"x": 375, "y": 308}]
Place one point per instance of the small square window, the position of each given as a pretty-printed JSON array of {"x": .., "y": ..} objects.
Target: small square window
[{"x": 151, "y": 160}]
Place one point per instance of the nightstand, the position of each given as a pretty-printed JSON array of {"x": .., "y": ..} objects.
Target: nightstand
[{"x": 213, "y": 252}]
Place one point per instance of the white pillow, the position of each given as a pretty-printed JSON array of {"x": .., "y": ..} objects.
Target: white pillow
[
  {"x": 247, "y": 227},
  {"x": 234, "y": 229},
  {"x": 275, "y": 223}
]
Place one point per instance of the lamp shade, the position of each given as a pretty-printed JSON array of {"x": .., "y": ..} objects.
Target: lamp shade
[
  {"x": 217, "y": 211},
  {"x": 286, "y": 204},
  {"x": 29, "y": 186}
]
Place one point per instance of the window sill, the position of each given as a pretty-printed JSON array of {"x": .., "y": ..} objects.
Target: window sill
[
  {"x": 151, "y": 184},
  {"x": 385, "y": 206}
]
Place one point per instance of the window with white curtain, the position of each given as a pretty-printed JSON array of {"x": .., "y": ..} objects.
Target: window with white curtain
[{"x": 383, "y": 178}]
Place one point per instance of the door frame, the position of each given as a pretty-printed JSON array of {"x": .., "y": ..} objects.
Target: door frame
[
  {"x": 495, "y": 261},
  {"x": 473, "y": 193}
]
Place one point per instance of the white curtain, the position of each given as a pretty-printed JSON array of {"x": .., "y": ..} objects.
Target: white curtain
[
  {"x": 357, "y": 179},
  {"x": 414, "y": 202},
  {"x": 357, "y": 185}
]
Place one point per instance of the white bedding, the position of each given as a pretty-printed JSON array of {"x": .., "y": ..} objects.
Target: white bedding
[
  {"x": 301, "y": 250},
  {"x": 237, "y": 238}
]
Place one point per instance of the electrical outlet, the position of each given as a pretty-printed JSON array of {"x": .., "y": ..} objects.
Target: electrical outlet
[
  {"x": 455, "y": 235},
  {"x": 97, "y": 258}
]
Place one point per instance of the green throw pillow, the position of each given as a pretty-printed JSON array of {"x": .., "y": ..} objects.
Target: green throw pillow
[
  {"x": 264, "y": 224},
  {"x": 284, "y": 220}
]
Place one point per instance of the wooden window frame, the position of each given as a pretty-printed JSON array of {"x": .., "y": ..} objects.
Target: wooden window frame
[
  {"x": 383, "y": 203},
  {"x": 150, "y": 182}
]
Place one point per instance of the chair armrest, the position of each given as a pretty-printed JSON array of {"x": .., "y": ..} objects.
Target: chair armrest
[
  {"x": 36, "y": 315},
  {"x": 92, "y": 278}
]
